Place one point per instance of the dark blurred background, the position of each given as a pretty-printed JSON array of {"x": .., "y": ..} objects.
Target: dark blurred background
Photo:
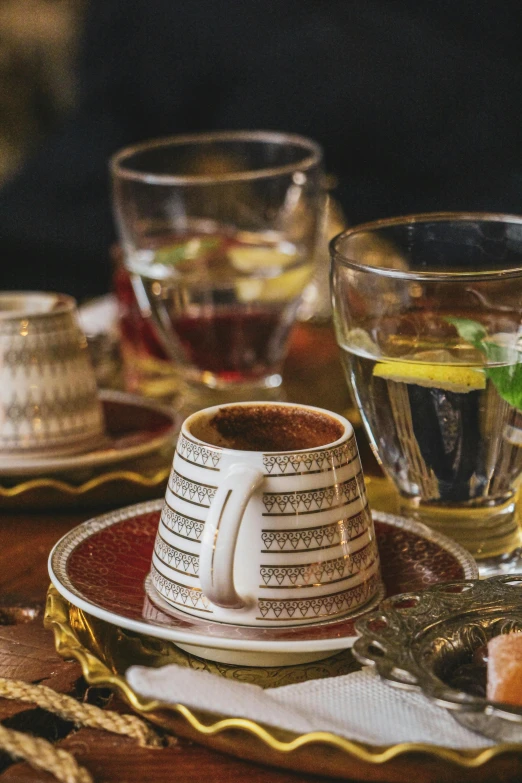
[{"x": 418, "y": 106}]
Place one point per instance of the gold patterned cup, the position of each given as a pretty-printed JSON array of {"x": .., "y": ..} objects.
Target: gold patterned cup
[
  {"x": 49, "y": 404},
  {"x": 266, "y": 521}
]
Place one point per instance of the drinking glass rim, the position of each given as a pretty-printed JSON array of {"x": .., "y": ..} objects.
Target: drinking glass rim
[
  {"x": 121, "y": 171},
  {"x": 447, "y": 276}
]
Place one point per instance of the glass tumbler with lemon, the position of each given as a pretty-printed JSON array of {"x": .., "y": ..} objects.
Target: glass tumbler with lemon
[
  {"x": 428, "y": 316},
  {"x": 219, "y": 234}
]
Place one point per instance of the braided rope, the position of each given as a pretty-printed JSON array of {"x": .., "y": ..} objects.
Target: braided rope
[
  {"x": 40, "y": 754},
  {"x": 80, "y": 713}
]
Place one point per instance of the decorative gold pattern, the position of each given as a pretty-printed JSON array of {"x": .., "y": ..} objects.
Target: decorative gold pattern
[
  {"x": 178, "y": 559},
  {"x": 188, "y": 490},
  {"x": 182, "y": 525},
  {"x": 39, "y": 323},
  {"x": 202, "y": 456},
  {"x": 40, "y": 352},
  {"x": 322, "y": 606},
  {"x": 179, "y": 594},
  {"x": 311, "y": 501},
  {"x": 311, "y": 462},
  {"x": 327, "y": 572},
  {"x": 51, "y": 410},
  {"x": 320, "y": 537}
]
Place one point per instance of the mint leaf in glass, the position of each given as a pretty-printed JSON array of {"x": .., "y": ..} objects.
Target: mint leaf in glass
[
  {"x": 193, "y": 248},
  {"x": 506, "y": 378},
  {"x": 471, "y": 331},
  {"x": 508, "y": 382}
]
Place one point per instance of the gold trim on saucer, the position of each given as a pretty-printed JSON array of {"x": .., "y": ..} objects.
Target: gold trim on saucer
[{"x": 92, "y": 644}]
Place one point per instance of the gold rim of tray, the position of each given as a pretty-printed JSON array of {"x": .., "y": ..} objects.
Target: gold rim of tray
[
  {"x": 93, "y": 483},
  {"x": 204, "y": 725}
]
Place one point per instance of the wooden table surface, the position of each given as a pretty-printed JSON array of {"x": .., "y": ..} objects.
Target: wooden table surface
[{"x": 27, "y": 650}]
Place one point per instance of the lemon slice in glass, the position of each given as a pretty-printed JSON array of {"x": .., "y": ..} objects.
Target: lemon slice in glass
[
  {"x": 278, "y": 289},
  {"x": 450, "y": 377},
  {"x": 247, "y": 259}
]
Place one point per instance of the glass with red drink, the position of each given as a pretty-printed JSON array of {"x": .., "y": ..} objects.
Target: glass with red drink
[{"x": 219, "y": 234}]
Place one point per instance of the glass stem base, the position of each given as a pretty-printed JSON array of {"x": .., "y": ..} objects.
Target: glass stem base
[{"x": 491, "y": 532}]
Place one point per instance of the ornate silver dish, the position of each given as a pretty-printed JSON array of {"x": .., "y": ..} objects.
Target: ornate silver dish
[{"x": 424, "y": 641}]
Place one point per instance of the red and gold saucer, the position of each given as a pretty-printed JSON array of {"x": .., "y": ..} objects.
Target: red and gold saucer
[{"x": 102, "y": 565}]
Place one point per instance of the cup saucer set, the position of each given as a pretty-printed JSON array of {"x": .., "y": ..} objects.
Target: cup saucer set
[
  {"x": 264, "y": 551},
  {"x": 60, "y": 438}
]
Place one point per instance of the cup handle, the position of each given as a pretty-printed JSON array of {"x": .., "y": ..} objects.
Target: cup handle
[{"x": 218, "y": 543}]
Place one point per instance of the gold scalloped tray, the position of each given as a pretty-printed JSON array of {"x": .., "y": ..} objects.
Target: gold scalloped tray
[
  {"x": 105, "y": 651},
  {"x": 113, "y": 488}
]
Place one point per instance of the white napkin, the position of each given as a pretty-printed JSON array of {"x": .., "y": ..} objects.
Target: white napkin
[{"x": 359, "y": 706}]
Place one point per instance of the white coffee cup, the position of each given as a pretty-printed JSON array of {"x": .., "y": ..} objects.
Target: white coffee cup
[
  {"x": 49, "y": 403},
  {"x": 266, "y": 520}
]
